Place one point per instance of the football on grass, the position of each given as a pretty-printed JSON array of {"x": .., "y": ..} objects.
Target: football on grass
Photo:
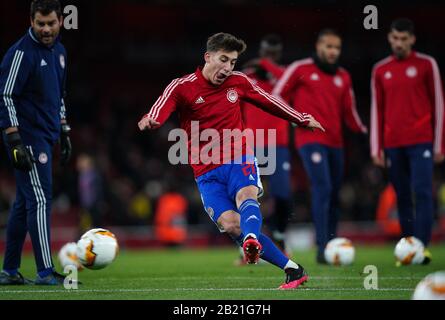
[
  {"x": 339, "y": 252},
  {"x": 409, "y": 250},
  {"x": 97, "y": 248}
]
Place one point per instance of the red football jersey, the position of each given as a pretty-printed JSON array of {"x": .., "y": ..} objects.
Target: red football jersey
[
  {"x": 218, "y": 108},
  {"x": 407, "y": 103},
  {"x": 258, "y": 119},
  {"x": 329, "y": 98}
]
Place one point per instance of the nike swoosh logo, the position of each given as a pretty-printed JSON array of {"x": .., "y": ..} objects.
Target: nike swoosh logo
[{"x": 15, "y": 155}]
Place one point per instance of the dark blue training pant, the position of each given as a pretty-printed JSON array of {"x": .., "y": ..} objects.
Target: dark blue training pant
[
  {"x": 411, "y": 174},
  {"x": 324, "y": 167},
  {"x": 31, "y": 211},
  {"x": 280, "y": 190}
]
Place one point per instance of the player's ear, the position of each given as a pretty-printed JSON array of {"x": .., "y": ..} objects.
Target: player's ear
[
  {"x": 413, "y": 39},
  {"x": 61, "y": 21},
  {"x": 207, "y": 57}
]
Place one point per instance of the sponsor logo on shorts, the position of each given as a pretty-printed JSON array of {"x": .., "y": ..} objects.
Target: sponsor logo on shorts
[
  {"x": 316, "y": 157},
  {"x": 210, "y": 212}
]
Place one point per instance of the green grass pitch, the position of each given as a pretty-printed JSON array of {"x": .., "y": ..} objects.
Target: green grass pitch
[{"x": 211, "y": 274}]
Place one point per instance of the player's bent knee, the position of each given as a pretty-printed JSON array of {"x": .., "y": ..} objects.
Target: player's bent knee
[{"x": 249, "y": 192}]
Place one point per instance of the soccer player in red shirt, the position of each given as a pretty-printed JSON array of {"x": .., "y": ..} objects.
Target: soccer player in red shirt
[
  {"x": 407, "y": 119},
  {"x": 265, "y": 72},
  {"x": 322, "y": 88},
  {"x": 229, "y": 189}
]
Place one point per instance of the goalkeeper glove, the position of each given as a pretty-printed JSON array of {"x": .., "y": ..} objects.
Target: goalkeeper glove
[{"x": 21, "y": 157}]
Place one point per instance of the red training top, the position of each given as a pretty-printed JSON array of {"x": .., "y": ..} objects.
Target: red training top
[
  {"x": 407, "y": 103},
  {"x": 328, "y": 97},
  {"x": 217, "y": 108}
]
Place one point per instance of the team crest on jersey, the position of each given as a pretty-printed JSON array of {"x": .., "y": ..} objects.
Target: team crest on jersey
[
  {"x": 232, "y": 95},
  {"x": 315, "y": 77},
  {"x": 338, "y": 81},
  {"x": 62, "y": 61},
  {"x": 387, "y": 75},
  {"x": 411, "y": 72},
  {"x": 43, "y": 158}
]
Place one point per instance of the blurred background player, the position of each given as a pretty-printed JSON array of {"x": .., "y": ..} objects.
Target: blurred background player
[
  {"x": 32, "y": 116},
  {"x": 321, "y": 87},
  {"x": 91, "y": 192},
  {"x": 407, "y": 118},
  {"x": 265, "y": 72},
  {"x": 229, "y": 187}
]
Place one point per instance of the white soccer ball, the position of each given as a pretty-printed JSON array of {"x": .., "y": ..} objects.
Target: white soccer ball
[
  {"x": 68, "y": 256},
  {"x": 409, "y": 250},
  {"x": 432, "y": 287},
  {"x": 339, "y": 251},
  {"x": 97, "y": 248}
]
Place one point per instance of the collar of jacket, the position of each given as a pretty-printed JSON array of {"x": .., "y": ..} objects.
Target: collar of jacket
[{"x": 329, "y": 68}]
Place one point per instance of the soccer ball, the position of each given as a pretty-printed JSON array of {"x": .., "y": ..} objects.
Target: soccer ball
[
  {"x": 409, "y": 250},
  {"x": 432, "y": 287},
  {"x": 97, "y": 248},
  {"x": 68, "y": 256},
  {"x": 339, "y": 251}
]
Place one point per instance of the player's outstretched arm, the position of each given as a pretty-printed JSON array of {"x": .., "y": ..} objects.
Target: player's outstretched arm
[
  {"x": 276, "y": 106},
  {"x": 164, "y": 106}
]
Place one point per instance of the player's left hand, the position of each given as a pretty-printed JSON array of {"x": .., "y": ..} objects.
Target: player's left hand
[
  {"x": 65, "y": 144},
  {"x": 439, "y": 157}
]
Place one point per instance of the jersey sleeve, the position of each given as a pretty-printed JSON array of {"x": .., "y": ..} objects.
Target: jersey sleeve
[
  {"x": 273, "y": 105},
  {"x": 14, "y": 72},
  {"x": 377, "y": 107},
  {"x": 274, "y": 69},
  {"x": 351, "y": 116},
  {"x": 166, "y": 103},
  {"x": 435, "y": 92},
  {"x": 287, "y": 82}
]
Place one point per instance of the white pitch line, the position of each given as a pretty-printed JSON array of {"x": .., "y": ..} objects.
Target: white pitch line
[
  {"x": 273, "y": 278},
  {"x": 196, "y": 289}
]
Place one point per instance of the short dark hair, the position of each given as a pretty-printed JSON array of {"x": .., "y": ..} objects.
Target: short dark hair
[
  {"x": 45, "y": 7},
  {"x": 402, "y": 25},
  {"x": 328, "y": 32},
  {"x": 226, "y": 42}
]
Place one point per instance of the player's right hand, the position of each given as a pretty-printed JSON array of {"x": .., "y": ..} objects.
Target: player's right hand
[
  {"x": 148, "y": 123},
  {"x": 21, "y": 157},
  {"x": 379, "y": 160},
  {"x": 314, "y": 124}
]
